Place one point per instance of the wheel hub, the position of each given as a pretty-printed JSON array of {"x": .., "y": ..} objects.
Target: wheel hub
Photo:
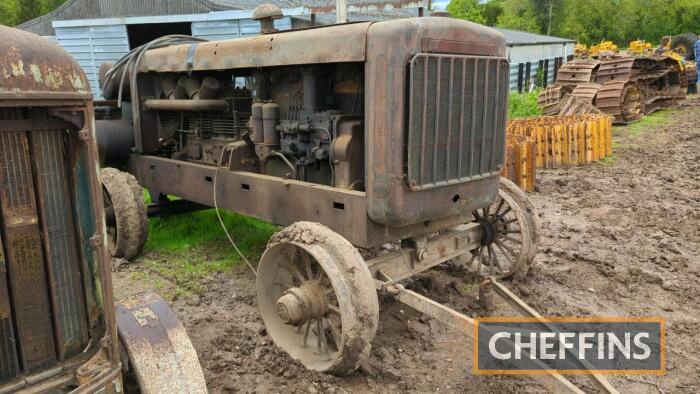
[
  {"x": 298, "y": 305},
  {"x": 488, "y": 231}
]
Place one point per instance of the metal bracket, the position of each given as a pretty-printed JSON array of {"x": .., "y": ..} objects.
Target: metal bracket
[{"x": 417, "y": 255}]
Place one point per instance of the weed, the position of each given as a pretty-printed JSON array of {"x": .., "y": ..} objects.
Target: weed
[
  {"x": 522, "y": 105},
  {"x": 184, "y": 249},
  {"x": 648, "y": 122}
]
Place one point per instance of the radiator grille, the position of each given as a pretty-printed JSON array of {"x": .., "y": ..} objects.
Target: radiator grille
[
  {"x": 43, "y": 314},
  {"x": 60, "y": 240},
  {"x": 22, "y": 238},
  {"x": 456, "y": 119}
]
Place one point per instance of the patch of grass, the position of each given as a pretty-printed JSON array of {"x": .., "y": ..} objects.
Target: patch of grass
[
  {"x": 522, "y": 105},
  {"x": 647, "y": 122},
  {"x": 184, "y": 249},
  {"x": 609, "y": 160}
]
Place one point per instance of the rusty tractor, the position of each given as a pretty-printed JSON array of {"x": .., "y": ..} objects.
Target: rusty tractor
[
  {"x": 59, "y": 328},
  {"x": 353, "y": 136},
  {"x": 623, "y": 86}
]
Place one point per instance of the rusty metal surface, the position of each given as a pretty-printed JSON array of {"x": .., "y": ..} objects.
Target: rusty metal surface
[
  {"x": 577, "y": 71},
  {"x": 283, "y": 201},
  {"x": 283, "y": 48},
  {"x": 617, "y": 69},
  {"x": 25, "y": 257},
  {"x": 571, "y": 105},
  {"x": 404, "y": 263},
  {"x": 586, "y": 92},
  {"x": 456, "y": 118},
  {"x": 48, "y": 168},
  {"x": 33, "y": 67},
  {"x": 390, "y": 44},
  {"x": 60, "y": 243},
  {"x": 550, "y": 97},
  {"x": 9, "y": 367},
  {"x": 621, "y": 99},
  {"x": 160, "y": 352}
]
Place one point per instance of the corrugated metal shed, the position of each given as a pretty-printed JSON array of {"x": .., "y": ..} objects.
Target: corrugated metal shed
[
  {"x": 92, "y": 9},
  {"x": 93, "y": 45}
]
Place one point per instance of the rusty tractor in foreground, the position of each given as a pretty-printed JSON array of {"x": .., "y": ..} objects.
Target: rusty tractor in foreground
[
  {"x": 59, "y": 329},
  {"x": 353, "y": 136},
  {"x": 623, "y": 86}
]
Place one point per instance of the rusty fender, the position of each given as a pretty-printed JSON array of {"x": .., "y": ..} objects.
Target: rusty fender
[{"x": 160, "y": 352}]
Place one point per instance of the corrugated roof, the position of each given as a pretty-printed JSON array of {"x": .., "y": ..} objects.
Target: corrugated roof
[
  {"x": 90, "y": 9},
  {"x": 93, "y": 9},
  {"x": 515, "y": 37}
]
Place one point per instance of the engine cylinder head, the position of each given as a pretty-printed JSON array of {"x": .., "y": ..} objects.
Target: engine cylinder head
[{"x": 209, "y": 89}]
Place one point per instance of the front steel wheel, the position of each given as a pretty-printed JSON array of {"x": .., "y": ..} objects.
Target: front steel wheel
[
  {"x": 317, "y": 298},
  {"x": 510, "y": 234}
]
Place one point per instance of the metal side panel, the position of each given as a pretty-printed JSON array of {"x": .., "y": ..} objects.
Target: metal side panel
[
  {"x": 8, "y": 352},
  {"x": 25, "y": 259},
  {"x": 60, "y": 246}
]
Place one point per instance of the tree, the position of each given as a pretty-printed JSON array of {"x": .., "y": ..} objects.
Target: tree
[
  {"x": 491, "y": 11},
  {"x": 29, "y": 9},
  {"x": 518, "y": 15},
  {"x": 466, "y": 9},
  {"x": 8, "y": 13}
]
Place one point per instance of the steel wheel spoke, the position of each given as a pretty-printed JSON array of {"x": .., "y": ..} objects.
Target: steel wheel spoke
[
  {"x": 500, "y": 205},
  {"x": 294, "y": 270},
  {"x": 335, "y": 333},
  {"x": 321, "y": 335},
  {"x": 307, "y": 264},
  {"x": 499, "y": 268},
  {"x": 502, "y": 245},
  {"x": 481, "y": 261},
  {"x": 506, "y": 255},
  {"x": 333, "y": 308},
  {"x": 511, "y": 239},
  {"x": 306, "y": 334},
  {"x": 505, "y": 212}
]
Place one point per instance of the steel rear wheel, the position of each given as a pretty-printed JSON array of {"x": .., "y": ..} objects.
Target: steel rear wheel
[
  {"x": 510, "y": 234},
  {"x": 317, "y": 298}
]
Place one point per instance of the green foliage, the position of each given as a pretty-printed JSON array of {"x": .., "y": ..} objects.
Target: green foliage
[
  {"x": 466, "y": 9},
  {"x": 14, "y": 12},
  {"x": 184, "y": 249},
  {"x": 523, "y": 105},
  {"x": 587, "y": 21},
  {"x": 518, "y": 15}
]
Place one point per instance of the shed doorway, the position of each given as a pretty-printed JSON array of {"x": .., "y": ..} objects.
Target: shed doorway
[{"x": 145, "y": 33}]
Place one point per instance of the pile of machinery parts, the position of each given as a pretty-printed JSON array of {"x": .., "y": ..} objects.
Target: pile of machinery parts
[
  {"x": 625, "y": 87},
  {"x": 519, "y": 165},
  {"x": 562, "y": 141}
]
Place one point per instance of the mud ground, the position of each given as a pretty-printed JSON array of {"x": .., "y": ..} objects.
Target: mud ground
[{"x": 620, "y": 238}]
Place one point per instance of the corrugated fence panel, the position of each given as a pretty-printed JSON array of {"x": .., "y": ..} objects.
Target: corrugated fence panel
[
  {"x": 92, "y": 46},
  {"x": 216, "y": 30},
  {"x": 223, "y": 30}
]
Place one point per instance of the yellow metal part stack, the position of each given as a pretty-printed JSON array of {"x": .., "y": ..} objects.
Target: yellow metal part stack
[
  {"x": 567, "y": 140},
  {"x": 553, "y": 142},
  {"x": 519, "y": 164}
]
